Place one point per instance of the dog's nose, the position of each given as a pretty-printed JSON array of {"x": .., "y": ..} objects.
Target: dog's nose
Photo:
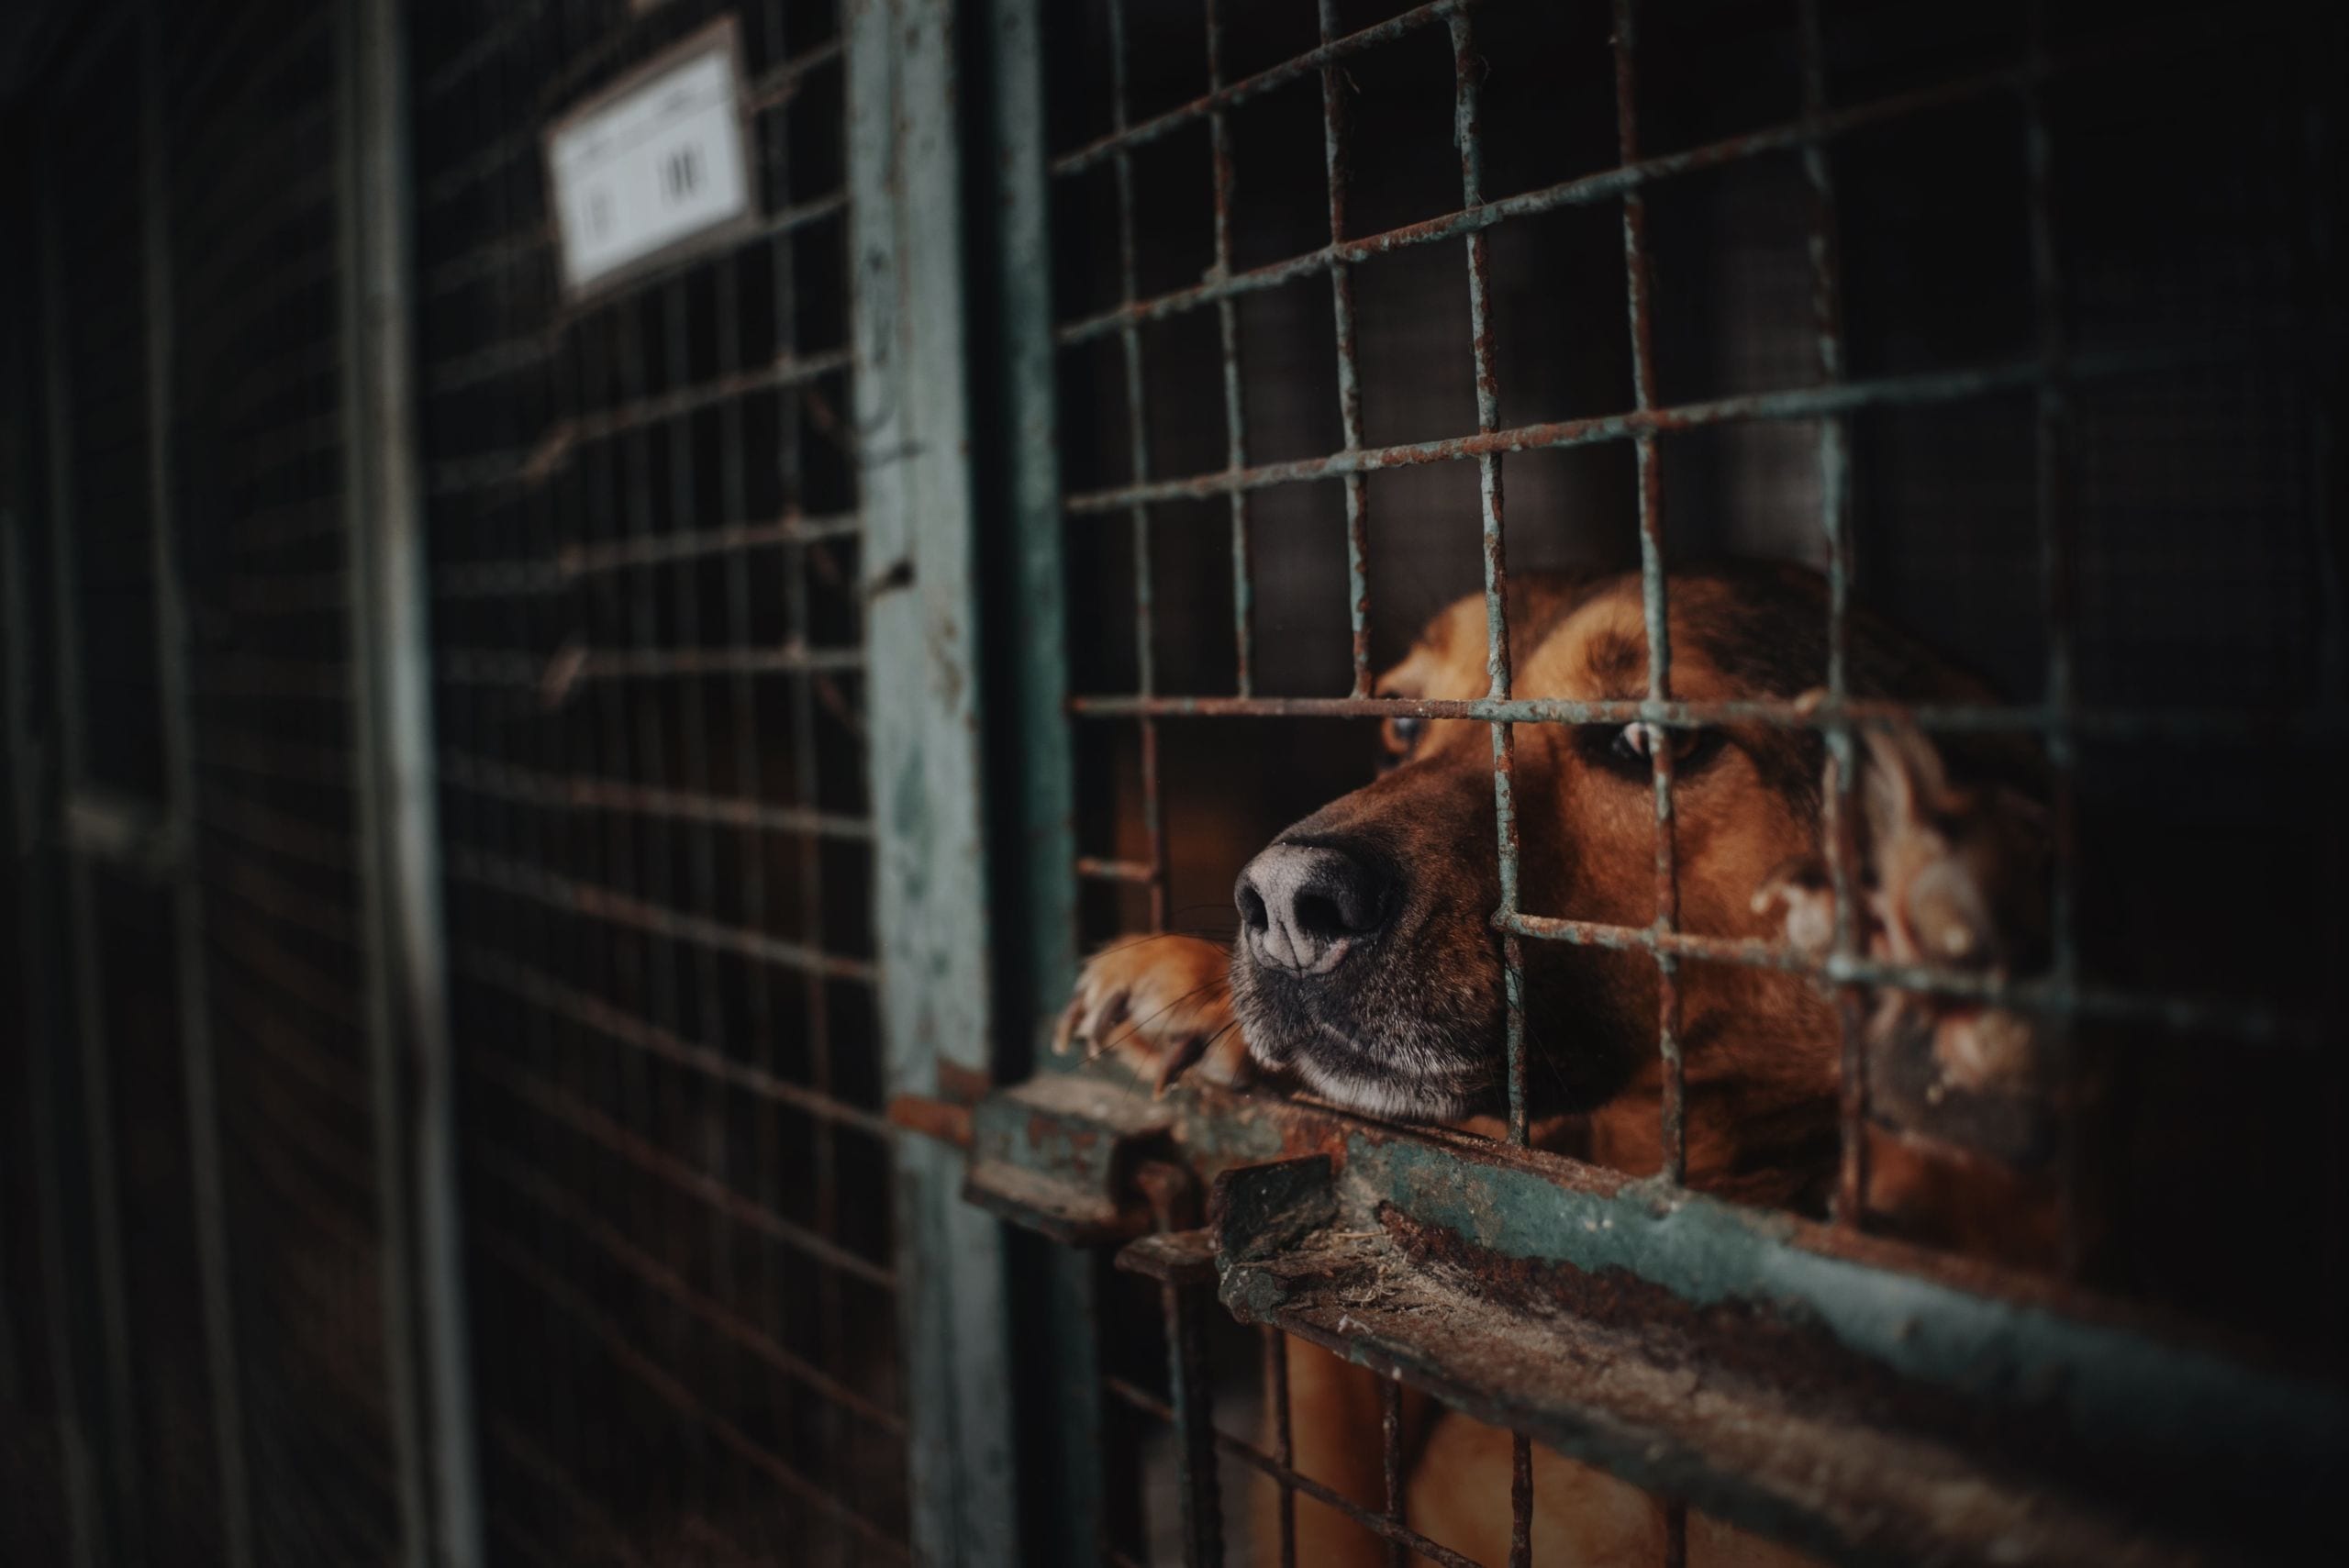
[{"x": 1302, "y": 906}]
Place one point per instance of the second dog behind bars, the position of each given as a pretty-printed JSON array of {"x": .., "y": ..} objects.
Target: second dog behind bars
[{"x": 1366, "y": 972}]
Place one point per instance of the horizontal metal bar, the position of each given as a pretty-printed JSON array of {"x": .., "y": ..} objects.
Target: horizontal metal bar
[
  {"x": 539, "y": 989},
  {"x": 523, "y": 578},
  {"x": 537, "y": 463},
  {"x": 554, "y": 678},
  {"x": 267, "y": 893},
  {"x": 1102, "y": 870},
  {"x": 1791, "y": 403},
  {"x": 251, "y": 942},
  {"x": 1496, "y": 1277},
  {"x": 2113, "y": 725},
  {"x": 777, "y": 85},
  {"x": 1296, "y": 68},
  {"x": 532, "y": 786},
  {"x": 1624, "y": 179},
  {"x": 2247, "y": 1021},
  {"x": 1265, "y": 1464},
  {"x": 517, "y": 1258},
  {"x": 275, "y": 832},
  {"x": 502, "y": 874},
  {"x": 554, "y": 1199},
  {"x": 604, "y": 1132},
  {"x": 442, "y": 79}
]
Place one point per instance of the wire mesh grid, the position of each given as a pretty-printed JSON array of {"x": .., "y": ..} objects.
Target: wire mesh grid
[
  {"x": 255, "y": 200},
  {"x": 1127, "y": 169},
  {"x": 649, "y": 666}
]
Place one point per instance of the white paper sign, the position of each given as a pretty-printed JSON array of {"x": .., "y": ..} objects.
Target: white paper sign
[{"x": 652, "y": 164}]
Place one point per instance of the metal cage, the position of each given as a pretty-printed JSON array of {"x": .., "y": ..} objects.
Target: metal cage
[{"x": 551, "y": 820}]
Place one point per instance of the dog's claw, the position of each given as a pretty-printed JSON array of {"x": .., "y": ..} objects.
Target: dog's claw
[{"x": 1163, "y": 1003}]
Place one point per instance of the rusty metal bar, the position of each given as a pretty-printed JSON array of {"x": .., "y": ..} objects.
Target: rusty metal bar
[
  {"x": 591, "y": 1012},
  {"x": 1228, "y": 328},
  {"x": 565, "y": 1111},
  {"x": 1338, "y": 163},
  {"x": 616, "y": 907},
  {"x": 1137, "y": 448},
  {"x": 2307, "y": 727},
  {"x": 1520, "y": 1501},
  {"x": 1638, "y": 288},
  {"x": 1390, "y": 1464},
  {"x": 1283, "y": 1455},
  {"x": 2056, "y": 552},
  {"x": 1839, "y": 825},
  {"x": 815, "y": 1010},
  {"x": 2101, "y": 53},
  {"x": 2245, "y": 1021},
  {"x": 1123, "y": 139},
  {"x": 1793, "y": 403},
  {"x": 525, "y": 785},
  {"x": 1467, "y": 133},
  {"x": 1296, "y": 1481}
]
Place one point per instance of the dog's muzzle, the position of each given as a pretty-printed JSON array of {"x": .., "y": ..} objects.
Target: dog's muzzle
[{"x": 1303, "y": 907}]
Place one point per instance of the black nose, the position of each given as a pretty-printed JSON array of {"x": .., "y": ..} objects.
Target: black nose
[{"x": 1303, "y": 907}]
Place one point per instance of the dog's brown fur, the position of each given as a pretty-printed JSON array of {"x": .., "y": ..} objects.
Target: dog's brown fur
[{"x": 1947, "y": 867}]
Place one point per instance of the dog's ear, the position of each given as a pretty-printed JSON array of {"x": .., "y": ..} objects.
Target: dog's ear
[
  {"x": 1956, "y": 867},
  {"x": 1949, "y": 870}
]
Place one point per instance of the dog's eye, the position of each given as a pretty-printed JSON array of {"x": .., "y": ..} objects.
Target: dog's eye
[
  {"x": 1407, "y": 728},
  {"x": 1629, "y": 748}
]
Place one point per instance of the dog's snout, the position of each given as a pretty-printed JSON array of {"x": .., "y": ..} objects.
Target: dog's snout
[{"x": 1303, "y": 907}]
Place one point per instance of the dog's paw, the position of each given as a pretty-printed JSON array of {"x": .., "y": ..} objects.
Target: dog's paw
[{"x": 1161, "y": 1003}]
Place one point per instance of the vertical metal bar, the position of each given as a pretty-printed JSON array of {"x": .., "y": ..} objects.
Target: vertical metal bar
[
  {"x": 1283, "y": 1440},
  {"x": 1023, "y": 189},
  {"x": 1390, "y": 1463},
  {"x": 374, "y": 407},
  {"x": 1520, "y": 1501},
  {"x": 806, "y": 778},
  {"x": 36, "y": 805},
  {"x": 117, "y": 1526},
  {"x": 2055, "y": 555},
  {"x": 1638, "y": 287},
  {"x": 200, "y": 1086},
  {"x": 931, "y": 875},
  {"x": 1338, "y": 162},
  {"x": 1228, "y": 325},
  {"x": 1675, "y": 1533},
  {"x": 1839, "y": 825},
  {"x": 1038, "y": 715},
  {"x": 1137, "y": 445},
  {"x": 1192, "y": 1384},
  {"x": 1467, "y": 135}
]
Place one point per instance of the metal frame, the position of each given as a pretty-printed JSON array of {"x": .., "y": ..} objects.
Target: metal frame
[
  {"x": 399, "y": 821},
  {"x": 1070, "y": 1160}
]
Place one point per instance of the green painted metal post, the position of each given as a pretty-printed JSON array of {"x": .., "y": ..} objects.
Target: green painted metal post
[
  {"x": 1065, "y": 1377},
  {"x": 931, "y": 904}
]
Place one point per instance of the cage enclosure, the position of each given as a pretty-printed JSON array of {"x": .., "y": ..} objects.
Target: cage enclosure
[{"x": 1145, "y": 781}]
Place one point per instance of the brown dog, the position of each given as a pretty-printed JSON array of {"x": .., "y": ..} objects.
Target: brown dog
[{"x": 1367, "y": 971}]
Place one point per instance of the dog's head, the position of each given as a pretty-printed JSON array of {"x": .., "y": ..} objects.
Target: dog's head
[{"x": 1368, "y": 964}]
